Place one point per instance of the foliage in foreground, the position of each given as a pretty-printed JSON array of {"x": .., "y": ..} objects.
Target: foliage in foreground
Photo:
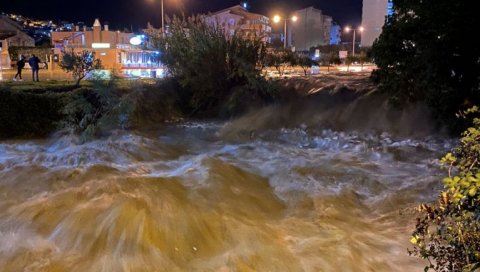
[
  {"x": 422, "y": 55},
  {"x": 448, "y": 234},
  {"x": 88, "y": 111},
  {"x": 212, "y": 67},
  {"x": 79, "y": 64}
]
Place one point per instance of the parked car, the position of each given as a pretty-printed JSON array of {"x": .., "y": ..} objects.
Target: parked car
[{"x": 315, "y": 70}]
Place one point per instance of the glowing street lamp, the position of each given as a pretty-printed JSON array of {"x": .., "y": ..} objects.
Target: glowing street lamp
[
  {"x": 277, "y": 19},
  {"x": 348, "y": 29}
]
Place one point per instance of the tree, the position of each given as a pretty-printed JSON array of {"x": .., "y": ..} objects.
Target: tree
[
  {"x": 424, "y": 54},
  {"x": 280, "y": 59},
  {"x": 448, "y": 233},
  {"x": 304, "y": 61},
  {"x": 330, "y": 58},
  {"x": 362, "y": 58},
  {"x": 79, "y": 64},
  {"x": 350, "y": 60}
]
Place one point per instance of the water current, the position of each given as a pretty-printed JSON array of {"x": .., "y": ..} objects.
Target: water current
[{"x": 199, "y": 197}]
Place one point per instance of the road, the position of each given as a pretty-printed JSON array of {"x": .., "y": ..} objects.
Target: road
[{"x": 8, "y": 74}]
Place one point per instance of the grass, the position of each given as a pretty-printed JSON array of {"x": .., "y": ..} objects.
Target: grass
[{"x": 37, "y": 109}]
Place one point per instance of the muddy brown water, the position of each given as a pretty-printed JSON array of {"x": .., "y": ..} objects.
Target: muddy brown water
[{"x": 204, "y": 197}]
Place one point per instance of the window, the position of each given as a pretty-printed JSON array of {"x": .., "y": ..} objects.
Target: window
[{"x": 390, "y": 8}]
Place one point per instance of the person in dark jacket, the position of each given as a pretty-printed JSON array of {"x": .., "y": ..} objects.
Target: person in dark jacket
[
  {"x": 20, "y": 65},
  {"x": 34, "y": 62}
]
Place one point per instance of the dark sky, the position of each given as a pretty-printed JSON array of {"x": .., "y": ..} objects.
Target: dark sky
[{"x": 123, "y": 13}]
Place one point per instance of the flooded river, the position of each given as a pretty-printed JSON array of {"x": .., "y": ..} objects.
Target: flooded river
[{"x": 204, "y": 197}]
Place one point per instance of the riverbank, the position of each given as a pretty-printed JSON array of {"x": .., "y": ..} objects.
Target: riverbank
[
  {"x": 39, "y": 109},
  {"x": 342, "y": 101},
  {"x": 155, "y": 188}
]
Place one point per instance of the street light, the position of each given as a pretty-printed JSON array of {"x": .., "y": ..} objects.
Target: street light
[
  {"x": 347, "y": 29},
  {"x": 277, "y": 19},
  {"x": 163, "y": 19}
]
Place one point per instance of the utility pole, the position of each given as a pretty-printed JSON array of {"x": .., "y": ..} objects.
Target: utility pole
[{"x": 1, "y": 65}]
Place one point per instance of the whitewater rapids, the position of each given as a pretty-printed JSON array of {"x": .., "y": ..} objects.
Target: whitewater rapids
[{"x": 199, "y": 197}]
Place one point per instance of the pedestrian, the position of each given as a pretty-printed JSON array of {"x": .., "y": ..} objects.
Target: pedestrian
[
  {"x": 34, "y": 62},
  {"x": 20, "y": 65}
]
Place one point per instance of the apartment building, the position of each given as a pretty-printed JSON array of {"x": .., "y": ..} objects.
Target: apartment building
[
  {"x": 312, "y": 28},
  {"x": 374, "y": 13},
  {"x": 238, "y": 19}
]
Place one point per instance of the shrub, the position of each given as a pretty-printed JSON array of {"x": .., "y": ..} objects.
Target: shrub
[
  {"x": 422, "y": 56},
  {"x": 79, "y": 64},
  {"x": 25, "y": 114},
  {"x": 448, "y": 234},
  {"x": 304, "y": 61},
  {"x": 90, "y": 111},
  {"x": 280, "y": 59},
  {"x": 208, "y": 63}
]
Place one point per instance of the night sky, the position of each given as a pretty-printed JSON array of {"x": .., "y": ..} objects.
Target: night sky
[{"x": 136, "y": 13}]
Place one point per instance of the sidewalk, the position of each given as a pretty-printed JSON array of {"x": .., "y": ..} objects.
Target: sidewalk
[{"x": 43, "y": 75}]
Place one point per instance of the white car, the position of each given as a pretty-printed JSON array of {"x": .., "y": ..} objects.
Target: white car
[{"x": 315, "y": 70}]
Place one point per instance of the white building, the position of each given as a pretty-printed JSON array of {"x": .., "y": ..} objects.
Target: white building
[
  {"x": 239, "y": 20},
  {"x": 373, "y": 18},
  {"x": 311, "y": 29}
]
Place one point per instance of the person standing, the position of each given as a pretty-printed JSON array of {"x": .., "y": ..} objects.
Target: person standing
[
  {"x": 34, "y": 62},
  {"x": 20, "y": 65}
]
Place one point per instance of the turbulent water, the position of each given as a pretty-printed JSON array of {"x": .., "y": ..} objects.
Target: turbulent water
[{"x": 206, "y": 197}]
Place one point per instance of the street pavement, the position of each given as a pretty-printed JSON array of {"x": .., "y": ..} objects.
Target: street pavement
[{"x": 47, "y": 75}]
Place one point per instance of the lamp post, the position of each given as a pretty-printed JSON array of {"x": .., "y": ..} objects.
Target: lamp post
[
  {"x": 277, "y": 19},
  {"x": 163, "y": 20},
  {"x": 347, "y": 29},
  {"x": 163, "y": 14},
  {"x": 1, "y": 65}
]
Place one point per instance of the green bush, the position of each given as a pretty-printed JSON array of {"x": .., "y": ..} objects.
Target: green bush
[
  {"x": 80, "y": 64},
  {"x": 92, "y": 111},
  {"x": 24, "y": 114},
  {"x": 208, "y": 64},
  {"x": 448, "y": 234},
  {"x": 423, "y": 56},
  {"x": 96, "y": 108}
]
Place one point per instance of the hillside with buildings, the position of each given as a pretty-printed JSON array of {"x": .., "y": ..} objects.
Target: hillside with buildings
[{"x": 122, "y": 50}]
